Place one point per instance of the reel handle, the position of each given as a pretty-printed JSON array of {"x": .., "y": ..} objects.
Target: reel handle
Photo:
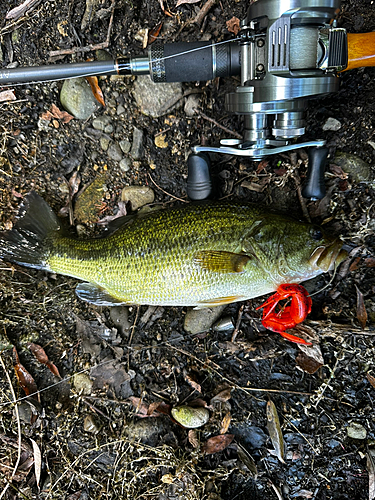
[
  {"x": 315, "y": 188},
  {"x": 199, "y": 185}
]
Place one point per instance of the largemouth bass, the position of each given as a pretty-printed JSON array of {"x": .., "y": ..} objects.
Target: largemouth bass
[{"x": 198, "y": 255}]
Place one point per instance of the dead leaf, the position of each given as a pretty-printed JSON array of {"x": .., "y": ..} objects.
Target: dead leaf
[
  {"x": 7, "y": 95},
  {"x": 370, "y": 262},
  {"x": 143, "y": 410},
  {"x": 310, "y": 358},
  {"x": 181, "y": 2},
  {"x": 225, "y": 423},
  {"x": 42, "y": 357},
  {"x": 25, "y": 380},
  {"x": 274, "y": 429},
  {"x": 37, "y": 461},
  {"x": 371, "y": 379},
  {"x": 361, "y": 309},
  {"x": 163, "y": 9},
  {"x": 247, "y": 459},
  {"x": 96, "y": 90},
  {"x": 354, "y": 265},
  {"x": 193, "y": 438},
  {"x": 217, "y": 443},
  {"x": 370, "y": 465},
  {"x": 233, "y": 25},
  {"x": 55, "y": 112},
  {"x": 154, "y": 33},
  {"x": 192, "y": 382},
  {"x": 222, "y": 396}
]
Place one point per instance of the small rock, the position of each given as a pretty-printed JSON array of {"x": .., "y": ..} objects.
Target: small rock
[
  {"x": 201, "y": 320},
  {"x": 356, "y": 431},
  {"x": 114, "y": 152},
  {"x": 90, "y": 424},
  {"x": 108, "y": 129},
  {"x": 137, "y": 148},
  {"x": 156, "y": 99},
  {"x": 332, "y": 124},
  {"x": 147, "y": 430},
  {"x": 137, "y": 196},
  {"x": 120, "y": 317},
  {"x": 190, "y": 418},
  {"x": 358, "y": 169},
  {"x": 101, "y": 122},
  {"x": 125, "y": 145},
  {"x": 224, "y": 324},
  {"x": 192, "y": 103},
  {"x": 77, "y": 98},
  {"x": 125, "y": 164},
  {"x": 120, "y": 109},
  {"x": 82, "y": 383},
  {"x": 104, "y": 143},
  {"x": 160, "y": 141}
]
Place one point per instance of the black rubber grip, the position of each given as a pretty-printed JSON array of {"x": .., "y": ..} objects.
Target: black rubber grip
[
  {"x": 199, "y": 177},
  {"x": 195, "y": 61},
  {"x": 315, "y": 188}
]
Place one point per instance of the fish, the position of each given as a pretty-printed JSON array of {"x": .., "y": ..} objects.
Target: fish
[{"x": 199, "y": 254}]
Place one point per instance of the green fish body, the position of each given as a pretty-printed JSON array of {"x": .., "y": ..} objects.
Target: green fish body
[{"x": 195, "y": 255}]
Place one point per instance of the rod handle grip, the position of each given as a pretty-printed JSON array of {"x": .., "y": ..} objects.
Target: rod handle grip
[{"x": 361, "y": 50}]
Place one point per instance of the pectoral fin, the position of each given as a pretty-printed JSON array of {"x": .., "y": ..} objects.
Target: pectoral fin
[
  {"x": 221, "y": 262},
  {"x": 97, "y": 295},
  {"x": 219, "y": 301}
]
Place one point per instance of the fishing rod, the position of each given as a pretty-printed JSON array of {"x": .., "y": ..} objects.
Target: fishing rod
[{"x": 287, "y": 52}]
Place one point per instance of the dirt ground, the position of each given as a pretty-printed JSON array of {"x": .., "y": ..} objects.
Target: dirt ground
[{"x": 92, "y": 433}]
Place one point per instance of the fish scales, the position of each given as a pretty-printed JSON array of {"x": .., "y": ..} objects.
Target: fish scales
[
  {"x": 195, "y": 255},
  {"x": 159, "y": 250}
]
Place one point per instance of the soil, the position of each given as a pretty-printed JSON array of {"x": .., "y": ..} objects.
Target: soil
[{"x": 85, "y": 437}]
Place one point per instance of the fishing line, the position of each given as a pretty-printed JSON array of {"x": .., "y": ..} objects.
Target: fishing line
[
  {"x": 328, "y": 284},
  {"x": 99, "y": 73}
]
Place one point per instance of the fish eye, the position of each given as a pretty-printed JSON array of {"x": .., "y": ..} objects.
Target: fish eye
[{"x": 316, "y": 233}]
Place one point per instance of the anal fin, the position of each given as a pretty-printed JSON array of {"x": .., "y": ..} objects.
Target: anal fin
[
  {"x": 219, "y": 301},
  {"x": 97, "y": 295}
]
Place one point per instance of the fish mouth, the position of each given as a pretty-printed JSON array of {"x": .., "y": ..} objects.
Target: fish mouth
[{"x": 329, "y": 256}]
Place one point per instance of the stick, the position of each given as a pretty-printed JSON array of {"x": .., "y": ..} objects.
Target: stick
[
  {"x": 203, "y": 12},
  {"x": 227, "y": 130},
  {"x": 19, "y": 11},
  {"x": 18, "y": 426}
]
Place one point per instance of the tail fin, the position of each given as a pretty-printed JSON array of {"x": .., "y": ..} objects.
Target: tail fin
[{"x": 26, "y": 244}]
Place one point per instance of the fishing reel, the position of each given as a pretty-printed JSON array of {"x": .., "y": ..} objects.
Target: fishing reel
[{"x": 286, "y": 53}]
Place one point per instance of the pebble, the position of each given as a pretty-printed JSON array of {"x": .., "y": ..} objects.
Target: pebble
[
  {"x": 147, "y": 430},
  {"x": 101, "y": 122},
  {"x": 191, "y": 418},
  {"x": 82, "y": 383},
  {"x": 137, "y": 196},
  {"x": 332, "y": 124},
  {"x": 156, "y": 99},
  {"x": 120, "y": 109},
  {"x": 90, "y": 424},
  {"x": 120, "y": 317},
  {"x": 358, "y": 169},
  {"x": 77, "y": 98},
  {"x": 201, "y": 320},
  {"x": 125, "y": 164},
  {"x": 224, "y": 324},
  {"x": 114, "y": 152},
  {"x": 191, "y": 104},
  {"x": 104, "y": 143},
  {"x": 136, "y": 151},
  {"x": 356, "y": 431},
  {"x": 125, "y": 145}
]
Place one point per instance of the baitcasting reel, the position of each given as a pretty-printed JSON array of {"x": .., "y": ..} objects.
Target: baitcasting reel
[{"x": 287, "y": 52}]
